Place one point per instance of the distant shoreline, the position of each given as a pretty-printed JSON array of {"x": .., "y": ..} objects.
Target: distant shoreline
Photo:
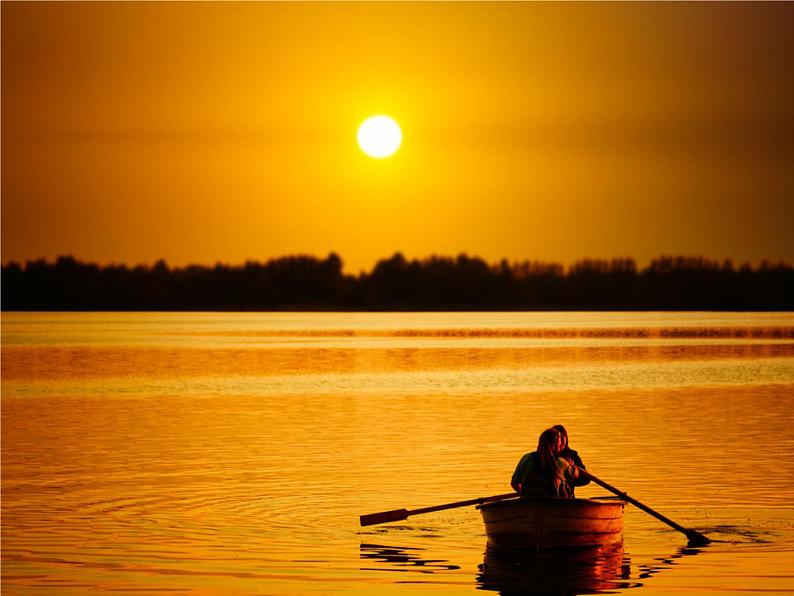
[{"x": 434, "y": 284}]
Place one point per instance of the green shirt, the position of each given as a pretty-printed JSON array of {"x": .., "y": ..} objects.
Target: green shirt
[{"x": 532, "y": 479}]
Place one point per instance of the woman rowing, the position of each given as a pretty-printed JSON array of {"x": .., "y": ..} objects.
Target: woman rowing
[
  {"x": 543, "y": 473},
  {"x": 567, "y": 453}
]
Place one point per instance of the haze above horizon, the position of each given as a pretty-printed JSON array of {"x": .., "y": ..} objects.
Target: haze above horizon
[{"x": 215, "y": 132}]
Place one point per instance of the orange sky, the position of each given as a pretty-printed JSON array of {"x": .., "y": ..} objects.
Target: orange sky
[{"x": 205, "y": 132}]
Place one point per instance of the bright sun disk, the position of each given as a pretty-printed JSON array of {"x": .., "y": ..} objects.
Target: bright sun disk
[{"x": 379, "y": 136}]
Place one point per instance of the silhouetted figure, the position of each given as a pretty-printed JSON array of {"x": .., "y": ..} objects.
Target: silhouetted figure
[
  {"x": 572, "y": 456},
  {"x": 543, "y": 473}
]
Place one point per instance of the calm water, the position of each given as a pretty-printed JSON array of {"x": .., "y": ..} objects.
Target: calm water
[{"x": 233, "y": 453}]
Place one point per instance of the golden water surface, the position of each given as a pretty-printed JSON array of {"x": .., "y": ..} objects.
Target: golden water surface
[{"x": 233, "y": 453}]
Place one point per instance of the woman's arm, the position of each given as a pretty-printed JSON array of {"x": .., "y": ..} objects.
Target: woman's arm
[
  {"x": 581, "y": 479},
  {"x": 520, "y": 472}
]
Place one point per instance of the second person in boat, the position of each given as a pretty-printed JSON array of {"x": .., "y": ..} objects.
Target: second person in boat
[
  {"x": 543, "y": 473},
  {"x": 572, "y": 456}
]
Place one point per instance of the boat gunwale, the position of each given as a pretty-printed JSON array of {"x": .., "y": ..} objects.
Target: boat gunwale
[{"x": 597, "y": 501}]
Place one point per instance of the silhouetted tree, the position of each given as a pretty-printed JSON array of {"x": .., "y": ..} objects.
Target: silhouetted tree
[{"x": 434, "y": 283}]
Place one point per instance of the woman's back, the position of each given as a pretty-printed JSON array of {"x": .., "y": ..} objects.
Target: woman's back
[{"x": 537, "y": 481}]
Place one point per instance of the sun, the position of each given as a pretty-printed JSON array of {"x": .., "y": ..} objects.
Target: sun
[{"x": 379, "y": 136}]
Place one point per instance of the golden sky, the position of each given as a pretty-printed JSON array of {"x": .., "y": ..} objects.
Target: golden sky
[{"x": 205, "y": 132}]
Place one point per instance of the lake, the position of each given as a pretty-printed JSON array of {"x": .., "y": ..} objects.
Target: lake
[{"x": 232, "y": 453}]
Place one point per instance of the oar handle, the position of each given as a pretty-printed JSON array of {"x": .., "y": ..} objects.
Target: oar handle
[{"x": 694, "y": 536}]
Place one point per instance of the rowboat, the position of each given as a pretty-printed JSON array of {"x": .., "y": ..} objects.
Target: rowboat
[{"x": 542, "y": 523}]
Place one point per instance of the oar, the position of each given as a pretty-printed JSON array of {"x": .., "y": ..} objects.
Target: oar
[
  {"x": 695, "y": 537},
  {"x": 400, "y": 514}
]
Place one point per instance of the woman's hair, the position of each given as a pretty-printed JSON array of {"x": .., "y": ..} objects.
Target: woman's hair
[
  {"x": 547, "y": 452},
  {"x": 563, "y": 432}
]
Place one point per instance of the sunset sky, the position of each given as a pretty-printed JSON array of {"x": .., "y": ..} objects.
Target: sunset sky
[{"x": 206, "y": 132}]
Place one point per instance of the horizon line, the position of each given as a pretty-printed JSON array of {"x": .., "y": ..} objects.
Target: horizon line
[{"x": 463, "y": 254}]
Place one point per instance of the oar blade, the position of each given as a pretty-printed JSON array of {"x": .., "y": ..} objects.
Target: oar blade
[
  {"x": 383, "y": 517},
  {"x": 696, "y": 538}
]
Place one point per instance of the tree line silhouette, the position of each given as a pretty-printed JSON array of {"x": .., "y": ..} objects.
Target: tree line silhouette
[{"x": 396, "y": 283}]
